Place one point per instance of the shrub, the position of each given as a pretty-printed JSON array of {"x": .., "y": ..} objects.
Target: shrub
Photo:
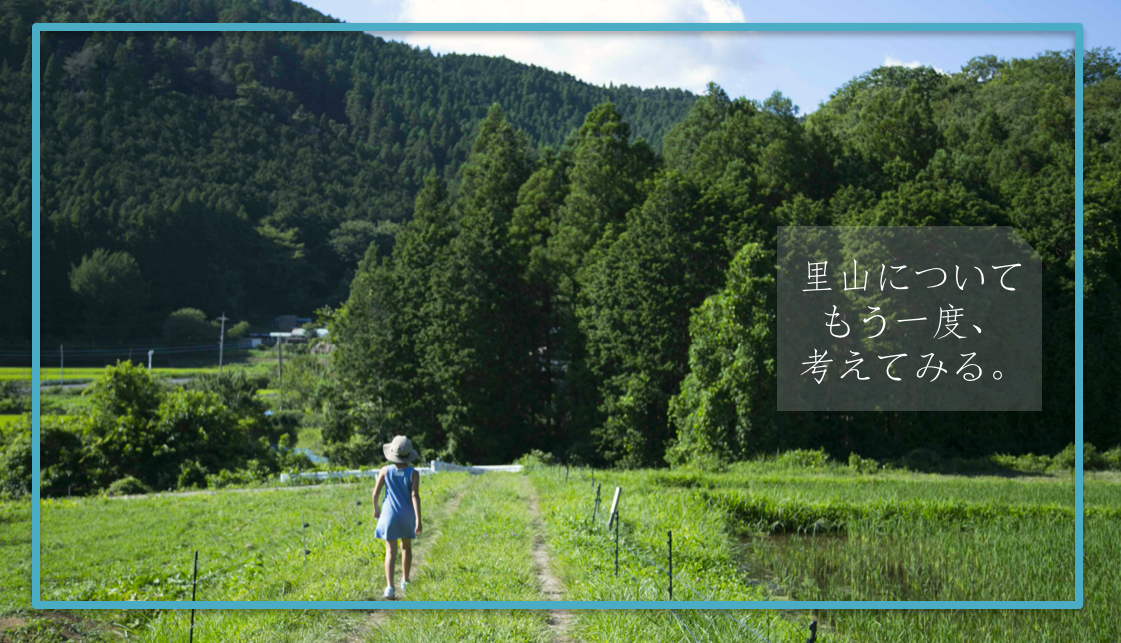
[
  {"x": 285, "y": 424},
  {"x": 15, "y": 462},
  {"x": 63, "y": 463},
  {"x": 127, "y": 486},
  {"x": 195, "y": 426},
  {"x": 706, "y": 462},
  {"x": 192, "y": 475},
  {"x": 1028, "y": 463},
  {"x": 227, "y": 478},
  {"x": 110, "y": 287},
  {"x": 1092, "y": 459},
  {"x": 360, "y": 451},
  {"x": 13, "y": 399},
  {"x": 804, "y": 458},
  {"x": 238, "y": 330},
  {"x": 124, "y": 389},
  {"x": 1112, "y": 459},
  {"x": 537, "y": 458},
  {"x": 863, "y": 465},
  {"x": 188, "y": 325},
  {"x": 236, "y": 389}
]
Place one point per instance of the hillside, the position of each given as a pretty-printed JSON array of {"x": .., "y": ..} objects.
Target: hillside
[{"x": 243, "y": 172}]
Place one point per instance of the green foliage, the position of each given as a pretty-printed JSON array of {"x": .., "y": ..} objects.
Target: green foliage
[
  {"x": 127, "y": 486},
  {"x": 863, "y": 465},
  {"x": 135, "y": 429},
  {"x": 537, "y": 458},
  {"x": 188, "y": 325},
  {"x": 641, "y": 283},
  {"x": 13, "y": 399},
  {"x": 292, "y": 152},
  {"x": 617, "y": 271},
  {"x": 192, "y": 475},
  {"x": 63, "y": 457},
  {"x": 501, "y": 296},
  {"x": 726, "y": 405},
  {"x": 804, "y": 458},
  {"x": 1092, "y": 458},
  {"x": 238, "y": 330},
  {"x": 15, "y": 460},
  {"x": 236, "y": 389},
  {"x": 110, "y": 287}
]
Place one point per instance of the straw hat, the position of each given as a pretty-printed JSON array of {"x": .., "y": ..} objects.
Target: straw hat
[{"x": 400, "y": 450}]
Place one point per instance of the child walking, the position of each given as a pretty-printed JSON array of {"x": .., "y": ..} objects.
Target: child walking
[{"x": 399, "y": 516}]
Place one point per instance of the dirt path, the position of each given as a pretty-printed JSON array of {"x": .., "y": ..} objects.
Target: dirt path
[
  {"x": 376, "y": 618},
  {"x": 551, "y": 586}
]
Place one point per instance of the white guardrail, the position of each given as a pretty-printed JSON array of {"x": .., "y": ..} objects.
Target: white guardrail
[{"x": 434, "y": 466}]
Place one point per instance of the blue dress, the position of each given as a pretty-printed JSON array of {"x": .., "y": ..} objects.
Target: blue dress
[{"x": 398, "y": 520}]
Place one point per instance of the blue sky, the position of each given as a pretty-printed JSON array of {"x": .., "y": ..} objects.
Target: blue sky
[{"x": 805, "y": 67}]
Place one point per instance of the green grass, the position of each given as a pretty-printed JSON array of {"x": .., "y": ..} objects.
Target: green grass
[
  {"x": 15, "y": 550},
  {"x": 86, "y": 373},
  {"x": 345, "y": 563},
  {"x": 249, "y": 544},
  {"x": 746, "y": 533},
  {"x": 998, "y": 559},
  {"x": 7, "y": 419},
  {"x": 71, "y": 375},
  {"x": 892, "y": 536},
  {"x": 485, "y": 554},
  {"x": 704, "y": 561}
]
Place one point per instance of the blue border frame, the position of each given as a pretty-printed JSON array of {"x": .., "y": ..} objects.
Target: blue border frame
[{"x": 1076, "y": 28}]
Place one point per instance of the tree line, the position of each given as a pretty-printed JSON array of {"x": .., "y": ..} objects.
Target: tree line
[
  {"x": 613, "y": 304},
  {"x": 239, "y": 172}
]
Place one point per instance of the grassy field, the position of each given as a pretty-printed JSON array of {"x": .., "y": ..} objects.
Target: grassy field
[
  {"x": 829, "y": 535},
  {"x": 249, "y": 544},
  {"x": 757, "y": 531},
  {"x": 83, "y": 373}
]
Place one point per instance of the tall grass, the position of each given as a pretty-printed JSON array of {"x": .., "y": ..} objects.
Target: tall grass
[
  {"x": 918, "y": 560},
  {"x": 704, "y": 562}
]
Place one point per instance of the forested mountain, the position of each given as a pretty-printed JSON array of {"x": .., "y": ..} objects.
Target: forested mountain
[
  {"x": 528, "y": 261},
  {"x": 617, "y": 306},
  {"x": 240, "y": 172}
]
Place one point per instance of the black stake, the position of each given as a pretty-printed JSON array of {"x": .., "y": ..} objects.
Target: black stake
[
  {"x": 303, "y": 535},
  {"x": 566, "y": 472},
  {"x": 669, "y": 543},
  {"x": 596, "y": 508},
  {"x": 616, "y": 518},
  {"x": 194, "y": 592}
]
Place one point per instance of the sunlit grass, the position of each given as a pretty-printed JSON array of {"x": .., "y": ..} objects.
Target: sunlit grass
[
  {"x": 704, "y": 562},
  {"x": 250, "y": 545},
  {"x": 485, "y": 554}
]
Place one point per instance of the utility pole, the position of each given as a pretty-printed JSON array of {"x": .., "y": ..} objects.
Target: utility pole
[
  {"x": 150, "y": 360},
  {"x": 221, "y": 342},
  {"x": 61, "y": 363},
  {"x": 280, "y": 359}
]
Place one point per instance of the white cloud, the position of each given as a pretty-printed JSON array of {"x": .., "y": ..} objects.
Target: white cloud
[
  {"x": 666, "y": 59},
  {"x": 892, "y": 61}
]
